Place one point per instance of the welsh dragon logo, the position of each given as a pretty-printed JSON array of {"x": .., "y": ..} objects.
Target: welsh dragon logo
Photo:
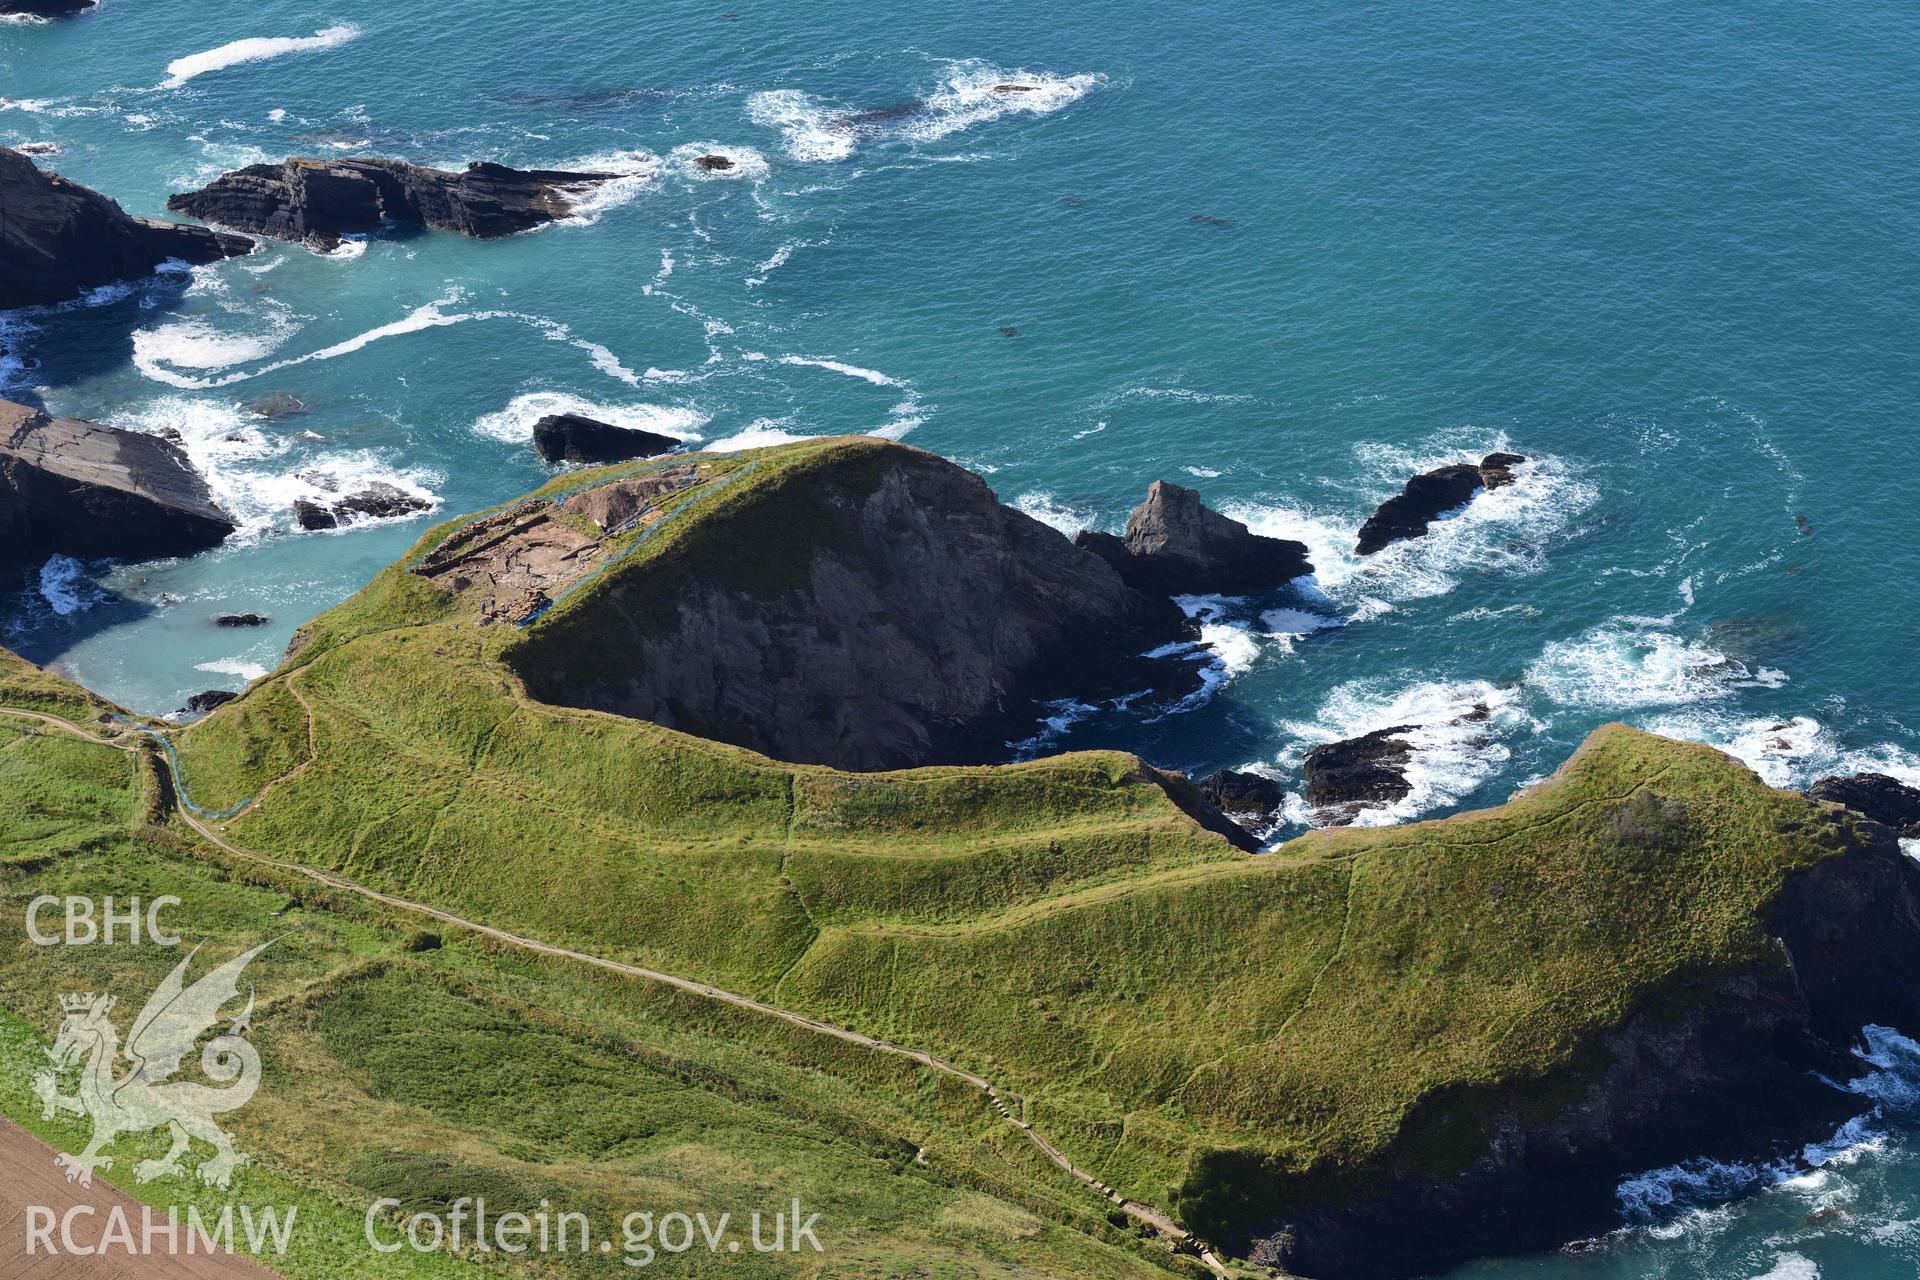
[{"x": 146, "y": 1096}]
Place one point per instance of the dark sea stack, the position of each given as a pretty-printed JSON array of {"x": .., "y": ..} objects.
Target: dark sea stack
[
  {"x": 240, "y": 620},
  {"x": 871, "y": 606},
  {"x": 1888, "y": 801},
  {"x": 714, "y": 163},
  {"x": 1251, "y": 799},
  {"x": 377, "y": 501},
  {"x": 1409, "y": 513},
  {"x": 78, "y": 488},
  {"x": 46, "y": 8},
  {"x": 317, "y": 202},
  {"x": 202, "y": 703},
  {"x": 569, "y": 437},
  {"x": 1176, "y": 546},
  {"x": 58, "y": 239},
  {"x": 1726, "y": 1066},
  {"x": 1368, "y": 772}
]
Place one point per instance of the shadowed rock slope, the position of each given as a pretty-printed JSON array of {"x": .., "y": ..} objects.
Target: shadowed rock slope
[
  {"x": 59, "y": 239},
  {"x": 862, "y": 604}
]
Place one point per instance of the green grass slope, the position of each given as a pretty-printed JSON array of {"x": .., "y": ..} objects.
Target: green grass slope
[{"x": 1152, "y": 998}]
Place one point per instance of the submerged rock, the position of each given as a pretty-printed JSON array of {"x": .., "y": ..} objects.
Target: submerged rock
[
  {"x": 378, "y": 501},
  {"x": 82, "y": 489},
  {"x": 569, "y": 437},
  {"x": 1887, "y": 801},
  {"x": 1409, "y": 513},
  {"x": 58, "y": 239},
  {"x": 319, "y": 201},
  {"x": 1174, "y": 544},
  {"x": 241, "y": 620},
  {"x": 280, "y": 404}
]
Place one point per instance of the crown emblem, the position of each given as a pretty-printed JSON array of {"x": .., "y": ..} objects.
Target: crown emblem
[{"x": 77, "y": 1003}]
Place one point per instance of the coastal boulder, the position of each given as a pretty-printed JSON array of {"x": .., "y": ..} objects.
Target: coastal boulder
[
  {"x": 1409, "y": 513},
  {"x": 1251, "y": 799},
  {"x": 202, "y": 703},
  {"x": 1175, "y": 545},
  {"x": 377, "y": 501},
  {"x": 569, "y": 437},
  {"x": 58, "y": 239},
  {"x": 1367, "y": 772},
  {"x": 319, "y": 201},
  {"x": 1887, "y": 801},
  {"x": 82, "y": 489}
]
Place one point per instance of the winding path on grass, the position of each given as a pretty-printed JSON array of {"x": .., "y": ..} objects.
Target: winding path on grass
[{"x": 1158, "y": 1221}]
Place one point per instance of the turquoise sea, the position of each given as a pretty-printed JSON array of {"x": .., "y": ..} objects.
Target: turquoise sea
[{"x": 1288, "y": 255}]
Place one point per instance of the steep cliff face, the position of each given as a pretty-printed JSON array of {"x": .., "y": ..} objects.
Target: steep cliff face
[
  {"x": 90, "y": 490},
  {"x": 874, "y": 608},
  {"x": 1724, "y": 1066},
  {"x": 58, "y": 239}
]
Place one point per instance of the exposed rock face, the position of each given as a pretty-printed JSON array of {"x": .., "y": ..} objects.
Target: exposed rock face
[
  {"x": 1175, "y": 545},
  {"x": 202, "y": 703},
  {"x": 46, "y": 8},
  {"x": 872, "y": 608},
  {"x": 568, "y": 437},
  {"x": 87, "y": 490},
  {"x": 1732, "y": 1056},
  {"x": 1251, "y": 799},
  {"x": 378, "y": 501},
  {"x": 1368, "y": 772},
  {"x": 319, "y": 201},
  {"x": 1887, "y": 801},
  {"x": 1409, "y": 513},
  {"x": 58, "y": 239},
  {"x": 281, "y": 404}
]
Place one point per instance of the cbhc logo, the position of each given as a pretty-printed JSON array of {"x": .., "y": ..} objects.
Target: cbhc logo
[{"x": 87, "y": 924}]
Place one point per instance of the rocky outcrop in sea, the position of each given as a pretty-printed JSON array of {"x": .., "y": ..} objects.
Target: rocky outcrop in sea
[
  {"x": 1409, "y": 513},
  {"x": 377, "y": 501},
  {"x": 59, "y": 239},
  {"x": 82, "y": 489},
  {"x": 569, "y": 437},
  {"x": 46, "y": 8},
  {"x": 317, "y": 202},
  {"x": 1175, "y": 545},
  {"x": 1886, "y": 800}
]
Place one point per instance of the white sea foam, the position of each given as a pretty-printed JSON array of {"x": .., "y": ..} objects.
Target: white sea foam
[
  {"x": 1624, "y": 664},
  {"x": 1791, "y": 1266},
  {"x": 1785, "y": 752},
  {"x": 248, "y": 671},
  {"x": 515, "y": 422},
  {"x": 255, "y": 474},
  {"x": 160, "y": 351},
  {"x": 971, "y": 93},
  {"x": 66, "y": 588},
  {"x": 806, "y": 124},
  {"x": 1452, "y": 755},
  {"x": 906, "y": 415},
  {"x": 761, "y": 433},
  {"x": 258, "y": 49},
  {"x": 1501, "y": 529},
  {"x": 634, "y": 172},
  {"x": 1042, "y": 506}
]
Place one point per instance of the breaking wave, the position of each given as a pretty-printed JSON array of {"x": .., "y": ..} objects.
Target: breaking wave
[
  {"x": 514, "y": 423},
  {"x": 258, "y": 49}
]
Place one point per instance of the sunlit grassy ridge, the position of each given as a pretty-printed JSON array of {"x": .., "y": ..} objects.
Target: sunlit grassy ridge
[{"x": 1164, "y": 1008}]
